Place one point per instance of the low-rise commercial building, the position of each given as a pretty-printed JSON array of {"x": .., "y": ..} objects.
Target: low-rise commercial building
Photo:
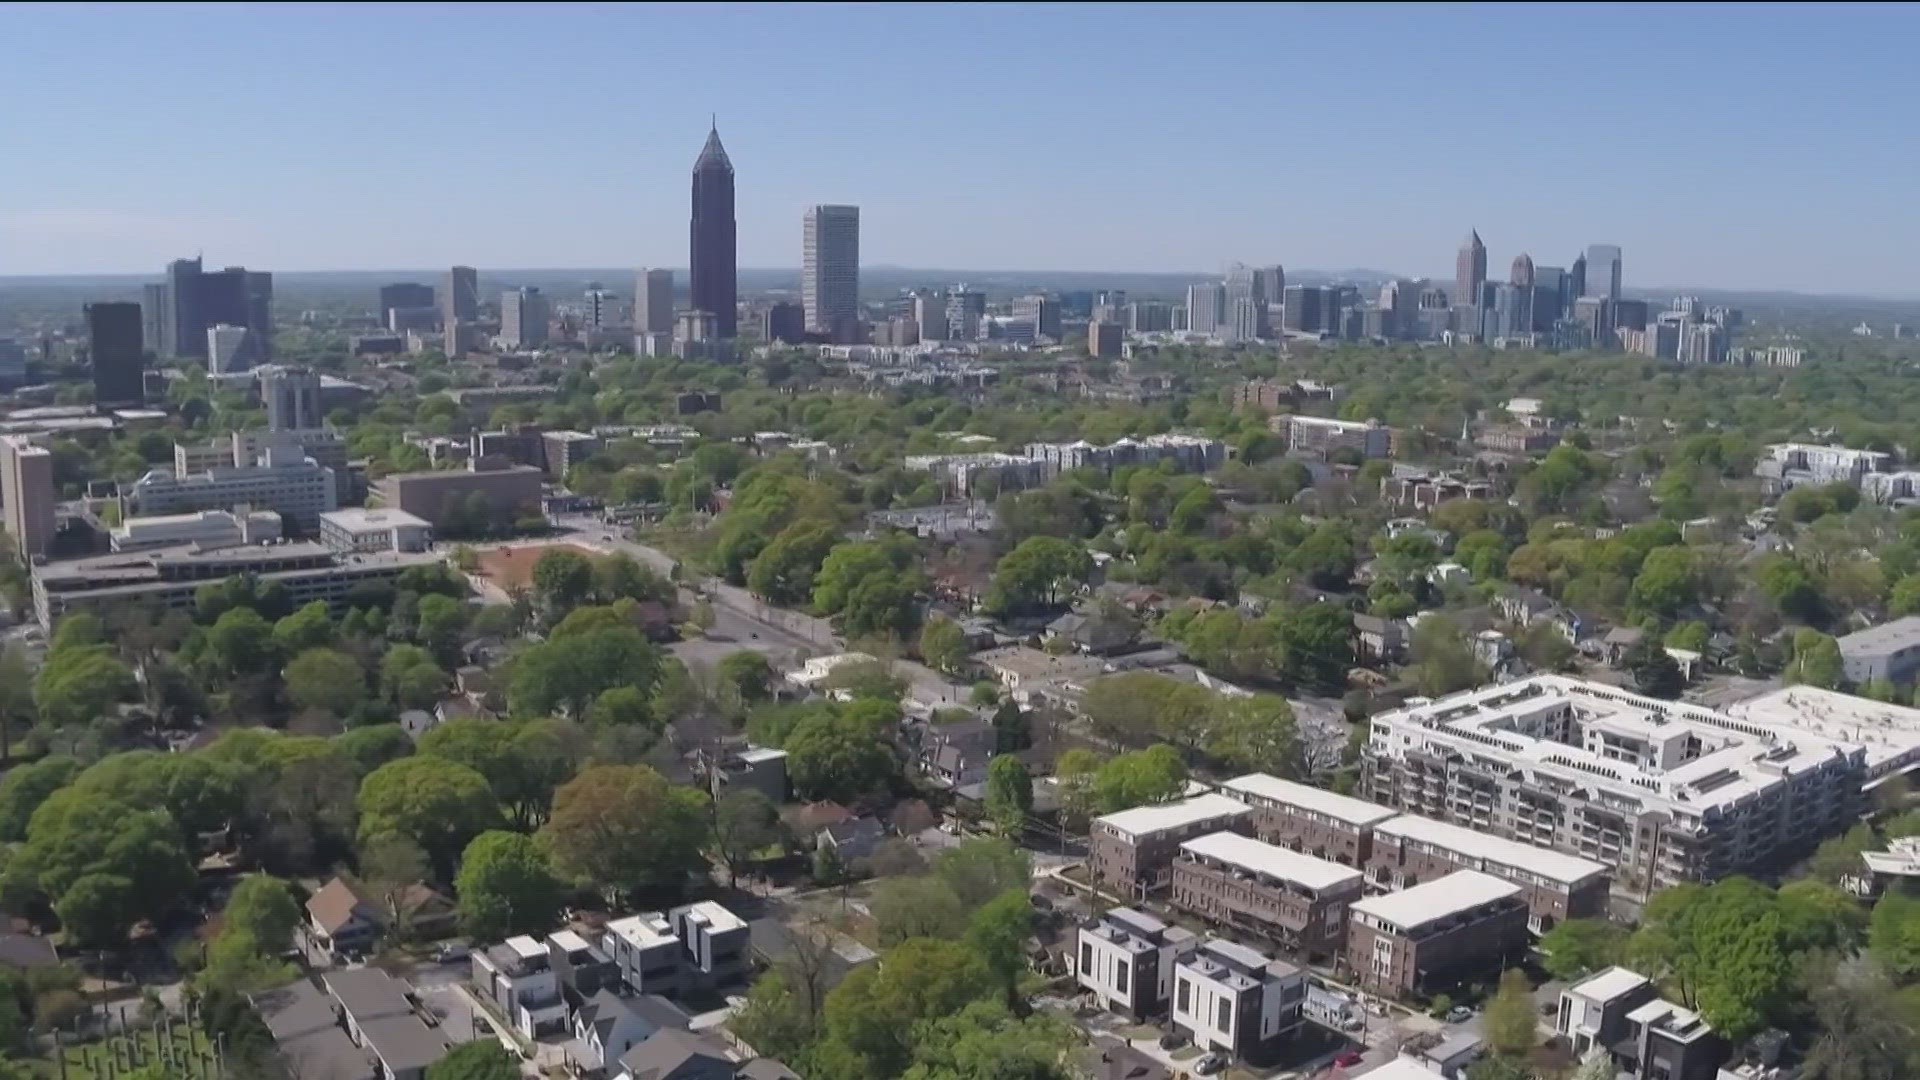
[
  {"x": 1125, "y": 958},
  {"x": 283, "y": 480},
  {"x": 1318, "y": 822},
  {"x": 1323, "y": 436},
  {"x": 474, "y": 497},
  {"x": 1133, "y": 850},
  {"x": 1408, "y": 850},
  {"x": 1889, "y": 652},
  {"x": 356, "y": 529},
  {"x": 1237, "y": 1000},
  {"x": 1295, "y": 901},
  {"x": 1457, "y": 928},
  {"x": 206, "y": 528}
]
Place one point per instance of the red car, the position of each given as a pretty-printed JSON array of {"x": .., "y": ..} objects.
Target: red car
[{"x": 1347, "y": 1060}]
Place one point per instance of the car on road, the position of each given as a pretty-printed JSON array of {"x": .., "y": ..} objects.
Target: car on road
[
  {"x": 1459, "y": 1014},
  {"x": 1347, "y": 1059}
]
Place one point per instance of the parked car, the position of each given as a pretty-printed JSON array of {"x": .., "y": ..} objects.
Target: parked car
[
  {"x": 452, "y": 951},
  {"x": 1210, "y": 1064},
  {"x": 1459, "y": 1014},
  {"x": 1347, "y": 1059}
]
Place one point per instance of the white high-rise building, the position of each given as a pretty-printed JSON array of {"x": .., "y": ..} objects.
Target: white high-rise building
[
  {"x": 1206, "y": 307},
  {"x": 830, "y": 269},
  {"x": 524, "y": 315},
  {"x": 653, "y": 301}
]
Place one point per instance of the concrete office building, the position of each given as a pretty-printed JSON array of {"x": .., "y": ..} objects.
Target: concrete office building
[
  {"x": 500, "y": 496},
  {"x": 562, "y": 450},
  {"x": 230, "y": 348},
  {"x": 292, "y": 398},
  {"x": 355, "y": 529},
  {"x": 205, "y": 528},
  {"x": 830, "y": 272},
  {"x": 1324, "y": 435},
  {"x": 1206, "y": 307},
  {"x": 524, "y": 315},
  {"x": 1126, "y": 958},
  {"x": 1603, "y": 270},
  {"x": 1295, "y": 901},
  {"x": 1785, "y": 466},
  {"x": 118, "y": 355},
  {"x": 711, "y": 248},
  {"x": 27, "y": 495},
  {"x": 1236, "y": 1000},
  {"x": 1665, "y": 791},
  {"x": 459, "y": 309},
  {"x": 13, "y": 364},
  {"x": 784, "y": 322},
  {"x": 403, "y": 295},
  {"x": 1556, "y": 887},
  {"x": 169, "y": 578},
  {"x": 930, "y": 311},
  {"x": 177, "y": 312},
  {"x": 653, "y": 301},
  {"x": 966, "y": 312},
  {"x": 1133, "y": 851},
  {"x": 1460, "y": 928},
  {"x": 1040, "y": 310},
  {"x": 1312, "y": 820},
  {"x": 1469, "y": 271},
  {"x": 283, "y": 479},
  {"x": 1105, "y": 340}
]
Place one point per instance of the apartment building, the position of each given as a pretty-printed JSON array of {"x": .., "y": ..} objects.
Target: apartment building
[
  {"x": 969, "y": 476},
  {"x": 1890, "y": 651},
  {"x": 1133, "y": 850},
  {"x": 1451, "y": 930},
  {"x": 1296, "y": 901},
  {"x": 1125, "y": 958},
  {"x": 1188, "y": 453},
  {"x": 1784, "y": 466},
  {"x": 1236, "y": 1000},
  {"x": 1408, "y": 850},
  {"x": 1663, "y": 791},
  {"x": 1323, "y": 435},
  {"x": 1312, "y": 820}
]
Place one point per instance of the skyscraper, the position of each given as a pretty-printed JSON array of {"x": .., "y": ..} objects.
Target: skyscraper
[
  {"x": 460, "y": 297},
  {"x": 653, "y": 301},
  {"x": 1576, "y": 281},
  {"x": 1522, "y": 270},
  {"x": 1469, "y": 271},
  {"x": 830, "y": 271},
  {"x": 1273, "y": 283},
  {"x": 524, "y": 315},
  {"x": 26, "y": 493},
  {"x": 229, "y": 348},
  {"x": 118, "y": 354},
  {"x": 1246, "y": 303},
  {"x": 965, "y": 311},
  {"x": 930, "y": 311},
  {"x": 1602, "y": 271},
  {"x": 179, "y": 311},
  {"x": 1206, "y": 307},
  {"x": 711, "y": 251},
  {"x": 405, "y": 295},
  {"x": 784, "y": 322},
  {"x": 292, "y": 397},
  {"x": 1042, "y": 311}
]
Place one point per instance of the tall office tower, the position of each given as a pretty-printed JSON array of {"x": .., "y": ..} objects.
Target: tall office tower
[
  {"x": 784, "y": 322},
  {"x": 1603, "y": 271},
  {"x": 292, "y": 397},
  {"x": 711, "y": 251},
  {"x": 460, "y": 298},
  {"x": 403, "y": 294},
  {"x": 1148, "y": 316},
  {"x": 524, "y": 315},
  {"x": 26, "y": 494},
  {"x": 1576, "y": 281},
  {"x": 114, "y": 342},
  {"x": 1552, "y": 283},
  {"x": 229, "y": 349},
  {"x": 1246, "y": 303},
  {"x": 966, "y": 309},
  {"x": 1042, "y": 311},
  {"x": 1273, "y": 283},
  {"x": 930, "y": 311},
  {"x": 1522, "y": 270},
  {"x": 191, "y": 300},
  {"x": 830, "y": 271},
  {"x": 653, "y": 301},
  {"x": 600, "y": 308},
  {"x": 1206, "y": 307},
  {"x": 1301, "y": 309},
  {"x": 1400, "y": 307},
  {"x": 172, "y": 311},
  {"x": 1469, "y": 270}
]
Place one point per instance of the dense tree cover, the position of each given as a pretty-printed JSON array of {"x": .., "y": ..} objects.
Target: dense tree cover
[
  {"x": 1310, "y": 645},
  {"x": 1253, "y": 733},
  {"x": 1009, "y": 793},
  {"x": 506, "y": 886},
  {"x": 623, "y": 828},
  {"x": 482, "y": 1059},
  {"x": 437, "y": 803}
]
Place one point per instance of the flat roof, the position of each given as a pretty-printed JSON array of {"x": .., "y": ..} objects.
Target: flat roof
[
  {"x": 1609, "y": 984},
  {"x": 354, "y": 518},
  {"x": 716, "y": 914},
  {"x": 1888, "y": 637},
  {"x": 1890, "y": 734},
  {"x": 1566, "y": 869},
  {"x": 1399, "y": 1069},
  {"x": 1438, "y": 899},
  {"x": 568, "y": 941},
  {"x": 1273, "y": 861},
  {"x": 1144, "y": 820},
  {"x": 1358, "y": 812}
]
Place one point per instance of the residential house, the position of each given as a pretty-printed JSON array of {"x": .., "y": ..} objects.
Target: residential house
[
  {"x": 1593, "y": 1012},
  {"x": 1095, "y": 632},
  {"x": 852, "y": 839},
  {"x": 957, "y": 754},
  {"x": 715, "y": 942},
  {"x": 672, "y": 1054},
  {"x": 1126, "y": 958},
  {"x": 27, "y": 952},
  {"x": 1237, "y": 1000},
  {"x": 1381, "y": 641},
  {"x": 580, "y": 966},
  {"x": 1111, "y": 1059},
  {"x": 755, "y": 768},
  {"x": 607, "y": 1025},
  {"x": 1133, "y": 850},
  {"x": 517, "y": 976},
  {"x": 380, "y": 1018},
  {"x": 1528, "y": 607},
  {"x": 1620, "y": 641},
  {"x": 310, "y": 1035},
  {"x": 833, "y": 954},
  {"x": 1667, "y": 1042},
  {"x": 341, "y": 921},
  {"x": 1437, "y": 934},
  {"x": 647, "y": 952}
]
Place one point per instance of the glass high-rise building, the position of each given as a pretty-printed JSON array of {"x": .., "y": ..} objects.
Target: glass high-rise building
[
  {"x": 1603, "y": 271},
  {"x": 830, "y": 271},
  {"x": 711, "y": 246}
]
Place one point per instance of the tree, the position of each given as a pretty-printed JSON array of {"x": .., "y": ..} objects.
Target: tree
[
  {"x": 784, "y": 572},
  {"x": 263, "y": 908},
  {"x": 311, "y": 627},
  {"x": 1666, "y": 584},
  {"x": 1443, "y": 660},
  {"x": 1326, "y": 557},
  {"x": 326, "y": 680},
  {"x": 874, "y": 1013},
  {"x": 979, "y": 869},
  {"x": 25, "y": 787},
  {"x": 564, "y": 676},
  {"x": 410, "y": 678},
  {"x": 482, "y": 1059},
  {"x": 1510, "y": 1023},
  {"x": 438, "y": 804},
  {"x": 98, "y": 910},
  {"x": 1724, "y": 948},
  {"x": 80, "y": 683},
  {"x": 1009, "y": 794},
  {"x": 1816, "y": 660},
  {"x": 987, "y": 1040},
  {"x": 745, "y": 824},
  {"x": 80, "y": 831},
  {"x": 442, "y": 620},
  {"x": 623, "y": 828},
  {"x": 1153, "y": 775},
  {"x": 1038, "y": 574},
  {"x": 943, "y": 645},
  {"x": 390, "y": 861},
  {"x": 1792, "y": 589},
  {"x": 562, "y": 580},
  {"x": 1578, "y": 946},
  {"x": 1255, "y": 734},
  {"x": 747, "y": 674},
  {"x": 506, "y": 887},
  {"x": 1690, "y": 636},
  {"x": 998, "y": 936},
  {"x": 1655, "y": 672},
  {"x": 370, "y": 747},
  {"x": 832, "y": 757},
  {"x": 1893, "y": 936},
  {"x": 916, "y": 906},
  {"x": 1315, "y": 645},
  {"x": 882, "y": 604},
  {"x": 846, "y": 566},
  {"x": 1863, "y": 1029}
]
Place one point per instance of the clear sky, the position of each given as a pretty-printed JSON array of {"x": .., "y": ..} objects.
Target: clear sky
[{"x": 1751, "y": 147}]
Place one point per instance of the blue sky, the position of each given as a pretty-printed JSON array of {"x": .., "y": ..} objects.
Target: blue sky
[{"x": 1763, "y": 147}]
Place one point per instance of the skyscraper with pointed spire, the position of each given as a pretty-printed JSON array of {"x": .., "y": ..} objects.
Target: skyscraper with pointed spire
[
  {"x": 1469, "y": 271},
  {"x": 711, "y": 252}
]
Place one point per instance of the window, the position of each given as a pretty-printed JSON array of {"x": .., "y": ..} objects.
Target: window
[
  {"x": 1086, "y": 958},
  {"x": 1226, "y": 1016},
  {"x": 1185, "y": 996},
  {"x": 1120, "y": 977}
]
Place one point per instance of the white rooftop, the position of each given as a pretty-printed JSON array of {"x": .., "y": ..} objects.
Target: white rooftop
[
  {"x": 359, "y": 519},
  {"x": 755, "y": 755},
  {"x": 567, "y": 940},
  {"x": 1890, "y": 734},
  {"x": 1275, "y": 862},
  {"x": 1566, "y": 869},
  {"x": 1146, "y": 820},
  {"x": 1441, "y": 898},
  {"x": 715, "y": 915},
  {"x": 1612, "y": 983},
  {"x": 1356, "y": 812},
  {"x": 645, "y": 929},
  {"x": 525, "y": 946},
  {"x": 1398, "y": 1069}
]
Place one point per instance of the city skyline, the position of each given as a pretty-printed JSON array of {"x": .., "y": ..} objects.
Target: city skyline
[{"x": 1732, "y": 200}]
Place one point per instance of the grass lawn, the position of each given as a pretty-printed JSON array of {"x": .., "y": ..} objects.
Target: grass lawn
[{"x": 90, "y": 1061}]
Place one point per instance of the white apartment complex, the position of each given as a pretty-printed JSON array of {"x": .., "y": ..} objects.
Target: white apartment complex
[
  {"x": 1665, "y": 791},
  {"x": 1790, "y": 465},
  {"x": 1323, "y": 435}
]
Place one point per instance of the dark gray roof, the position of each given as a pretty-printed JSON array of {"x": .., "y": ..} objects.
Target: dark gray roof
[
  {"x": 713, "y": 155},
  {"x": 27, "y": 951},
  {"x": 672, "y": 1054},
  {"x": 404, "y": 1042},
  {"x": 604, "y": 1010},
  {"x": 367, "y": 993},
  {"x": 856, "y": 830},
  {"x": 296, "y": 1009},
  {"x": 326, "y": 1054},
  {"x": 766, "y": 1069}
]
